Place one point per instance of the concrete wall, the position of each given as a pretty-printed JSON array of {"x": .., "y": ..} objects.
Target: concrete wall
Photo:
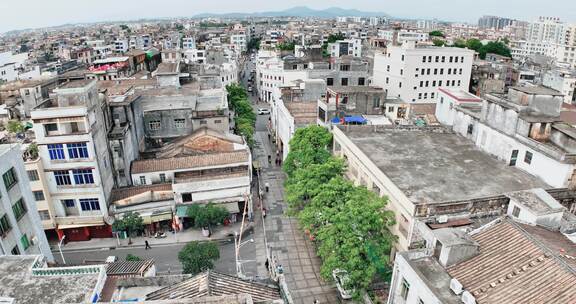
[{"x": 418, "y": 288}]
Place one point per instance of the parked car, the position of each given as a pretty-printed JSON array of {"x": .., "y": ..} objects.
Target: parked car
[
  {"x": 263, "y": 111},
  {"x": 343, "y": 283}
]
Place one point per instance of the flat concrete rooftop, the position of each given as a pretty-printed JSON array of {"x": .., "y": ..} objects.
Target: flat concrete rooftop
[
  {"x": 438, "y": 167},
  {"x": 16, "y": 281}
]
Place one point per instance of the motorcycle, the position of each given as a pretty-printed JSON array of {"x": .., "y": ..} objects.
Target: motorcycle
[{"x": 159, "y": 235}]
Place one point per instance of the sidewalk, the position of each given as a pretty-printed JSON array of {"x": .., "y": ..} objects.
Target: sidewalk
[{"x": 188, "y": 235}]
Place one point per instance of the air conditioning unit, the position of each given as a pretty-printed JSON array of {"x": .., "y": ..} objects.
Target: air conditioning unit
[
  {"x": 455, "y": 286},
  {"x": 34, "y": 240},
  {"x": 468, "y": 298},
  {"x": 442, "y": 219}
]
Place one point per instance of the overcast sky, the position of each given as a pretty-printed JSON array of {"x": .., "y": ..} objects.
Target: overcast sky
[{"x": 20, "y": 14}]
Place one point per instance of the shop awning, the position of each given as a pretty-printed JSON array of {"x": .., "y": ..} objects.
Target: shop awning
[
  {"x": 78, "y": 225},
  {"x": 231, "y": 207},
  {"x": 355, "y": 119},
  {"x": 182, "y": 211},
  {"x": 156, "y": 217}
]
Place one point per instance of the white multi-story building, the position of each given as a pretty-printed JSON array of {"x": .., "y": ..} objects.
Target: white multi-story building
[
  {"x": 20, "y": 226},
  {"x": 348, "y": 47},
  {"x": 547, "y": 29},
  {"x": 121, "y": 45},
  {"x": 238, "y": 41},
  {"x": 563, "y": 81},
  {"x": 72, "y": 142},
  {"x": 414, "y": 74},
  {"x": 188, "y": 43},
  {"x": 403, "y": 35}
]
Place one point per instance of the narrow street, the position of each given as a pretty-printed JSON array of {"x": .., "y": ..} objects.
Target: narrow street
[{"x": 286, "y": 241}]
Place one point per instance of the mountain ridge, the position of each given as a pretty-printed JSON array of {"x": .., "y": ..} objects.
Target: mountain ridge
[{"x": 299, "y": 11}]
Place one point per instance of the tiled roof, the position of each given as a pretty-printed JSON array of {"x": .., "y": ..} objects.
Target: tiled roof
[
  {"x": 211, "y": 283},
  {"x": 188, "y": 162},
  {"x": 514, "y": 266},
  {"x": 125, "y": 192},
  {"x": 129, "y": 268}
]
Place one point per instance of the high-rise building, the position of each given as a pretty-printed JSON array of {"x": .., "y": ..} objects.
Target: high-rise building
[
  {"x": 20, "y": 225},
  {"x": 494, "y": 22}
]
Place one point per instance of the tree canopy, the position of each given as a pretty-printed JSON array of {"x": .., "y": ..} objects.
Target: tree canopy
[
  {"x": 494, "y": 47},
  {"x": 207, "y": 215},
  {"x": 349, "y": 223},
  {"x": 286, "y": 46},
  {"x": 436, "y": 34},
  {"x": 197, "y": 257},
  {"x": 245, "y": 118},
  {"x": 131, "y": 222},
  {"x": 133, "y": 258},
  {"x": 308, "y": 146}
]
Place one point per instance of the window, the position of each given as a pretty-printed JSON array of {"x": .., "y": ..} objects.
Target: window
[
  {"x": 203, "y": 122},
  {"x": 423, "y": 58},
  {"x": 25, "y": 242},
  {"x": 439, "y": 83},
  {"x": 449, "y": 71},
  {"x": 429, "y": 58},
  {"x": 388, "y": 68},
  {"x": 425, "y": 95},
  {"x": 437, "y": 58},
  {"x": 441, "y": 100},
  {"x": 420, "y": 301},
  {"x": 391, "y": 109},
  {"x": 401, "y": 71},
  {"x": 376, "y": 102},
  {"x": 421, "y": 83},
  {"x": 419, "y": 95},
  {"x": 404, "y": 289},
  {"x": 528, "y": 157},
  {"x": 450, "y": 60},
  {"x": 432, "y": 95},
  {"x": 344, "y": 67},
  {"x": 38, "y": 195},
  {"x": 162, "y": 177},
  {"x": 542, "y": 128},
  {"x": 433, "y": 83},
  {"x": 154, "y": 125},
  {"x": 218, "y": 121},
  {"x": 470, "y": 129},
  {"x": 456, "y": 59},
  {"x": 56, "y": 151},
  {"x": 443, "y": 58},
  {"x": 344, "y": 81},
  {"x": 442, "y": 71},
  {"x": 19, "y": 209},
  {"x": 435, "y": 71},
  {"x": 453, "y": 82},
  {"x": 399, "y": 84},
  {"x": 83, "y": 176},
  {"x": 329, "y": 81},
  {"x": 77, "y": 150},
  {"x": 4, "y": 225},
  {"x": 89, "y": 204},
  {"x": 33, "y": 175},
  {"x": 459, "y": 83},
  {"x": 402, "y": 58},
  {"x": 460, "y": 71},
  {"x": 15, "y": 251},
  {"x": 427, "y": 83},
  {"x": 62, "y": 177},
  {"x": 387, "y": 80},
  {"x": 516, "y": 211},
  {"x": 142, "y": 180},
  {"x": 52, "y": 127},
  {"x": 427, "y": 71},
  {"x": 361, "y": 81},
  {"x": 69, "y": 203},
  {"x": 179, "y": 123},
  {"x": 514, "y": 157},
  {"x": 10, "y": 178},
  {"x": 44, "y": 215},
  {"x": 186, "y": 197}
]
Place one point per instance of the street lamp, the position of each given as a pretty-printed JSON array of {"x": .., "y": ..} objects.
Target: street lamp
[
  {"x": 237, "y": 247},
  {"x": 60, "y": 249}
]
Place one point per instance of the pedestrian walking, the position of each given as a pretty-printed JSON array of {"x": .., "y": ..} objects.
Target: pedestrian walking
[
  {"x": 264, "y": 212},
  {"x": 147, "y": 245},
  {"x": 267, "y": 186}
]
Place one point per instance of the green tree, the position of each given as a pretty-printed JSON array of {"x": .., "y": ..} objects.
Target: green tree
[
  {"x": 474, "y": 44},
  {"x": 286, "y": 46},
  {"x": 15, "y": 126},
  {"x": 495, "y": 47},
  {"x": 306, "y": 183},
  {"x": 253, "y": 44},
  {"x": 355, "y": 237},
  {"x": 460, "y": 43},
  {"x": 308, "y": 146},
  {"x": 124, "y": 27},
  {"x": 331, "y": 39},
  {"x": 133, "y": 258},
  {"x": 197, "y": 257},
  {"x": 438, "y": 42},
  {"x": 206, "y": 216},
  {"x": 436, "y": 34},
  {"x": 131, "y": 222}
]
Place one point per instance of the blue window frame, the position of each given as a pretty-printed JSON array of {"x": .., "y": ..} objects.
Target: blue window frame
[
  {"x": 69, "y": 203},
  {"x": 89, "y": 204},
  {"x": 83, "y": 176},
  {"x": 77, "y": 150},
  {"x": 56, "y": 151},
  {"x": 62, "y": 177}
]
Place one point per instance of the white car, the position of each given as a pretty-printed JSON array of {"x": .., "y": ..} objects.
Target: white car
[
  {"x": 342, "y": 283},
  {"x": 263, "y": 111}
]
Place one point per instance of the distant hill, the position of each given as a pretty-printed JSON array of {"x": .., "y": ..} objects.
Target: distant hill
[{"x": 300, "y": 11}]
